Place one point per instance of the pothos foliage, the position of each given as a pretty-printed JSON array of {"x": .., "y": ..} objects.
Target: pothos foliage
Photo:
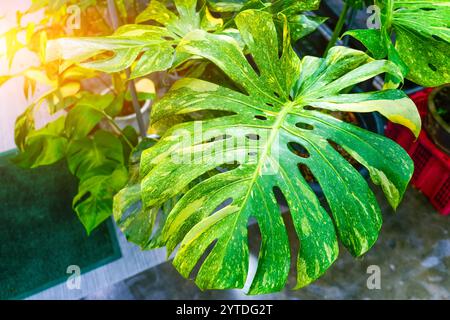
[
  {"x": 97, "y": 157},
  {"x": 422, "y": 39},
  {"x": 283, "y": 103}
]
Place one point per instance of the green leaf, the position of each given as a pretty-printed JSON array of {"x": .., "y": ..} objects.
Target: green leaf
[
  {"x": 358, "y": 4},
  {"x": 93, "y": 203},
  {"x": 126, "y": 44},
  {"x": 97, "y": 155},
  {"x": 121, "y": 8},
  {"x": 160, "y": 58},
  {"x": 4, "y": 79},
  {"x": 12, "y": 44},
  {"x": 98, "y": 162},
  {"x": 209, "y": 22},
  {"x": 393, "y": 104},
  {"x": 291, "y": 7},
  {"x": 302, "y": 25},
  {"x": 25, "y": 122},
  {"x": 227, "y": 5},
  {"x": 137, "y": 224},
  {"x": 23, "y": 126},
  {"x": 129, "y": 136},
  {"x": 86, "y": 114},
  {"x": 422, "y": 39},
  {"x": 266, "y": 125},
  {"x": 152, "y": 46},
  {"x": 371, "y": 39},
  {"x": 187, "y": 20},
  {"x": 44, "y": 146}
]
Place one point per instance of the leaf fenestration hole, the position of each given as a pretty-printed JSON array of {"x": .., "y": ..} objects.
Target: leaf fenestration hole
[
  {"x": 303, "y": 125},
  {"x": 344, "y": 154},
  {"x": 128, "y": 212},
  {"x": 254, "y": 245},
  {"x": 157, "y": 224},
  {"x": 215, "y": 139},
  {"x": 252, "y": 136},
  {"x": 298, "y": 150},
  {"x": 281, "y": 199},
  {"x": 202, "y": 259},
  {"x": 227, "y": 167},
  {"x": 294, "y": 242},
  {"x": 428, "y": 9},
  {"x": 432, "y": 67},
  {"x": 307, "y": 173},
  {"x": 437, "y": 38},
  {"x": 253, "y": 64},
  {"x": 223, "y": 204},
  {"x": 259, "y": 117}
]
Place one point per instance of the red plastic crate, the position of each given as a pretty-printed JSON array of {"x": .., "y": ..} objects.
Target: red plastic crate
[{"x": 432, "y": 165}]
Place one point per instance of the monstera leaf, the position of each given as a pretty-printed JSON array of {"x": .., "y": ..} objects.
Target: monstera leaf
[
  {"x": 300, "y": 24},
  {"x": 422, "y": 39},
  {"x": 152, "y": 45},
  {"x": 286, "y": 7},
  {"x": 227, "y": 168},
  {"x": 97, "y": 159}
]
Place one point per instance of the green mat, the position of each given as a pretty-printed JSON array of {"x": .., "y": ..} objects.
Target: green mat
[{"x": 40, "y": 235}]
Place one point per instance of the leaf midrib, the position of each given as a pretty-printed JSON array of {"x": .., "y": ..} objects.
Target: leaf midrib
[{"x": 275, "y": 129}]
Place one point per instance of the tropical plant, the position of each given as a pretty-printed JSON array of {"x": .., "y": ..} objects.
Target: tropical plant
[
  {"x": 153, "y": 45},
  {"x": 281, "y": 104},
  {"x": 97, "y": 157},
  {"x": 238, "y": 130},
  {"x": 71, "y": 55},
  {"x": 348, "y": 7},
  {"x": 422, "y": 39}
]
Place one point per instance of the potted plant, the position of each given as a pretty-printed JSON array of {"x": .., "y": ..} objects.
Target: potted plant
[
  {"x": 437, "y": 122},
  {"x": 95, "y": 154},
  {"x": 145, "y": 89},
  {"x": 240, "y": 123}
]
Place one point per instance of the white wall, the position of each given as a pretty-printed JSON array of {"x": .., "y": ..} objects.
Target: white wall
[{"x": 12, "y": 100}]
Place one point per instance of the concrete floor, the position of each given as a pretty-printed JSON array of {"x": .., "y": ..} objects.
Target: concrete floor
[{"x": 412, "y": 252}]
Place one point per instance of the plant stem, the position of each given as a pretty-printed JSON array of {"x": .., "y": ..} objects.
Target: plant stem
[
  {"x": 115, "y": 126},
  {"x": 137, "y": 108},
  {"x": 338, "y": 29},
  {"x": 113, "y": 14},
  {"x": 389, "y": 10}
]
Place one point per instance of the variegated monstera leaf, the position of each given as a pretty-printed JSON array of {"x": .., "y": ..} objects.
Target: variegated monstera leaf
[
  {"x": 226, "y": 168},
  {"x": 422, "y": 38},
  {"x": 300, "y": 24},
  {"x": 151, "y": 45}
]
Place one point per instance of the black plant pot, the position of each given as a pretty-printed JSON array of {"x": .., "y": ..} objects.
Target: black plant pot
[{"x": 436, "y": 126}]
